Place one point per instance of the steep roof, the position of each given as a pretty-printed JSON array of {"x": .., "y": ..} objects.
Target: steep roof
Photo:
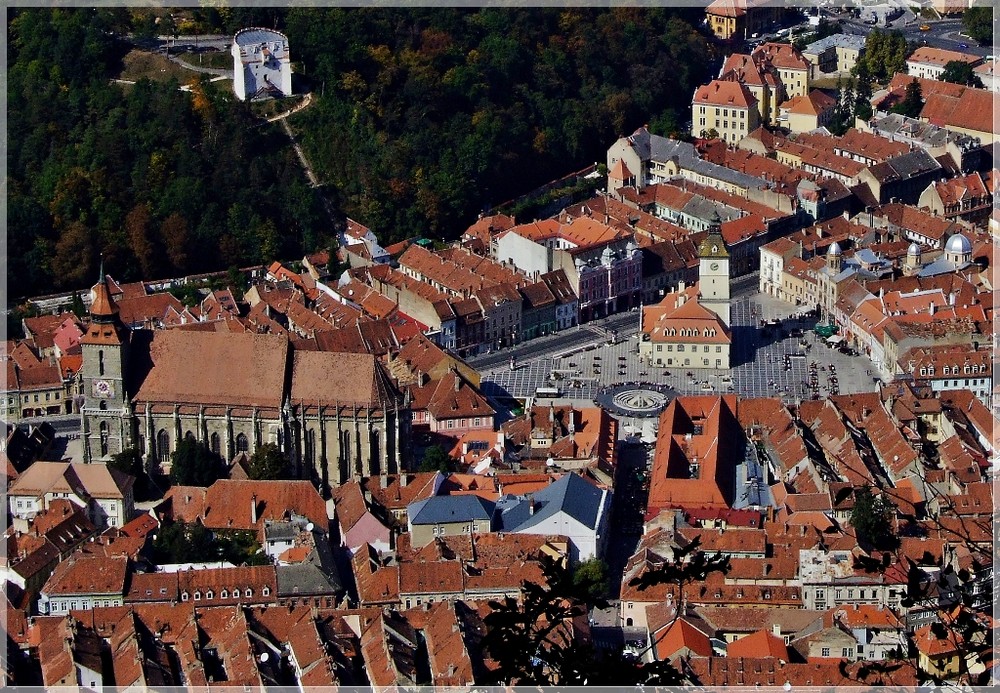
[
  {"x": 446, "y": 509},
  {"x": 571, "y": 495},
  {"x": 724, "y": 93},
  {"x": 212, "y": 368},
  {"x": 326, "y": 377}
]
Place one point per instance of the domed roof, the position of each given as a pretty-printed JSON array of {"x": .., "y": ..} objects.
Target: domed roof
[
  {"x": 914, "y": 249},
  {"x": 835, "y": 249},
  {"x": 958, "y": 244}
]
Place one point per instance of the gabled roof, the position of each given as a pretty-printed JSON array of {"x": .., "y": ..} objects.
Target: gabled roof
[
  {"x": 681, "y": 635},
  {"x": 571, "y": 495},
  {"x": 447, "y": 509},
  {"x": 763, "y": 643}
]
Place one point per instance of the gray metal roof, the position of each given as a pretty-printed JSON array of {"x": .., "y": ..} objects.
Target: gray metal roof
[
  {"x": 256, "y": 35},
  {"x": 926, "y": 134},
  {"x": 664, "y": 149},
  {"x": 703, "y": 208},
  {"x": 835, "y": 40},
  {"x": 913, "y": 163},
  {"x": 305, "y": 578},
  {"x": 445, "y": 509},
  {"x": 570, "y": 494}
]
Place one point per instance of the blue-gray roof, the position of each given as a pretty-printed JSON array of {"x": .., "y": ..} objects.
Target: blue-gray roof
[
  {"x": 570, "y": 494},
  {"x": 664, "y": 149},
  {"x": 254, "y": 36},
  {"x": 445, "y": 509},
  {"x": 834, "y": 40}
]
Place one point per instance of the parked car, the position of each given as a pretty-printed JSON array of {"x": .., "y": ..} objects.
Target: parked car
[{"x": 925, "y": 27}]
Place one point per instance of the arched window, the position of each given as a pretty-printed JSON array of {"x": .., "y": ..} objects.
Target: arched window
[
  {"x": 242, "y": 444},
  {"x": 214, "y": 443},
  {"x": 104, "y": 437},
  {"x": 102, "y": 405},
  {"x": 163, "y": 445},
  {"x": 100, "y": 362},
  {"x": 376, "y": 450},
  {"x": 189, "y": 436}
]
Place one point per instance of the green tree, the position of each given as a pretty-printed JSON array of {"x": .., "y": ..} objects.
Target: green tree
[
  {"x": 177, "y": 542},
  {"x": 193, "y": 464},
  {"x": 590, "y": 578},
  {"x": 912, "y": 103},
  {"x": 268, "y": 463},
  {"x": 77, "y": 307},
  {"x": 885, "y": 55},
  {"x": 873, "y": 519},
  {"x": 437, "y": 460},
  {"x": 863, "y": 94},
  {"x": 960, "y": 72},
  {"x": 977, "y": 22},
  {"x": 128, "y": 461}
]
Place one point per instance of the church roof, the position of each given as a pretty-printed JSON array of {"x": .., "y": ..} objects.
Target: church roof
[{"x": 237, "y": 369}]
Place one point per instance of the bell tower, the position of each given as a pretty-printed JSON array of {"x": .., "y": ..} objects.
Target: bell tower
[
  {"x": 106, "y": 413},
  {"x": 713, "y": 271}
]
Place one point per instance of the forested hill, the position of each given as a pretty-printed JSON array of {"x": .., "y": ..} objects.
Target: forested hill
[
  {"x": 422, "y": 118},
  {"x": 428, "y": 116}
]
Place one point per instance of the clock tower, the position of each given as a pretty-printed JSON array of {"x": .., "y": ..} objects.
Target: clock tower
[
  {"x": 106, "y": 414},
  {"x": 713, "y": 271}
]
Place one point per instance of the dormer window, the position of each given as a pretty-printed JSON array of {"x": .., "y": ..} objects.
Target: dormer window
[
  {"x": 209, "y": 595},
  {"x": 224, "y": 594},
  {"x": 197, "y": 596},
  {"x": 184, "y": 596},
  {"x": 248, "y": 593},
  {"x": 266, "y": 591}
]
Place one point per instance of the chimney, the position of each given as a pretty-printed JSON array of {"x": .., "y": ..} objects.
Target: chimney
[
  {"x": 383, "y": 480},
  {"x": 404, "y": 479},
  {"x": 776, "y": 629},
  {"x": 531, "y": 507},
  {"x": 931, "y": 308},
  {"x": 458, "y": 383},
  {"x": 253, "y": 509}
]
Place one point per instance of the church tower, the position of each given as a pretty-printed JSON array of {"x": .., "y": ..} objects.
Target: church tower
[
  {"x": 106, "y": 413},
  {"x": 713, "y": 271}
]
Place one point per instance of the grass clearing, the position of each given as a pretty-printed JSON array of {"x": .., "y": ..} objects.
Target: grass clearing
[
  {"x": 219, "y": 60},
  {"x": 156, "y": 68}
]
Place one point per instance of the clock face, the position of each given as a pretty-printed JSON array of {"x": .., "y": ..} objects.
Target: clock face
[
  {"x": 714, "y": 266},
  {"x": 102, "y": 388}
]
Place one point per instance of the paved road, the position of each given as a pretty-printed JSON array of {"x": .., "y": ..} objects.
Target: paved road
[
  {"x": 760, "y": 368},
  {"x": 946, "y": 34}
]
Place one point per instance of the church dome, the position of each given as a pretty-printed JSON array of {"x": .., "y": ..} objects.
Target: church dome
[
  {"x": 958, "y": 244},
  {"x": 914, "y": 249},
  {"x": 835, "y": 249}
]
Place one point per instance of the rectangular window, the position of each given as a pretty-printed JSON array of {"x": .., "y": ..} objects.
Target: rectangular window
[
  {"x": 825, "y": 652},
  {"x": 848, "y": 651}
]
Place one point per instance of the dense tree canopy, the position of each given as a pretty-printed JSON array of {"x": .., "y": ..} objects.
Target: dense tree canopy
[
  {"x": 193, "y": 464},
  {"x": 885, "y": 55},
  {"x": 422, "y": 117},
  {"x": 960, "y": 72},
  {"x": 872, "y": 519},
  {"x": 158, "y": 181},
  {"x": 977, "y": 22},
  {"x": 427, "y": 116},
  {"x": 268, "y": 463}
]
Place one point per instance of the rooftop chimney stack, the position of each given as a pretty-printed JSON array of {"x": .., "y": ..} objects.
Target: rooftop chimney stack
[{"x": 253, "y": 509}]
